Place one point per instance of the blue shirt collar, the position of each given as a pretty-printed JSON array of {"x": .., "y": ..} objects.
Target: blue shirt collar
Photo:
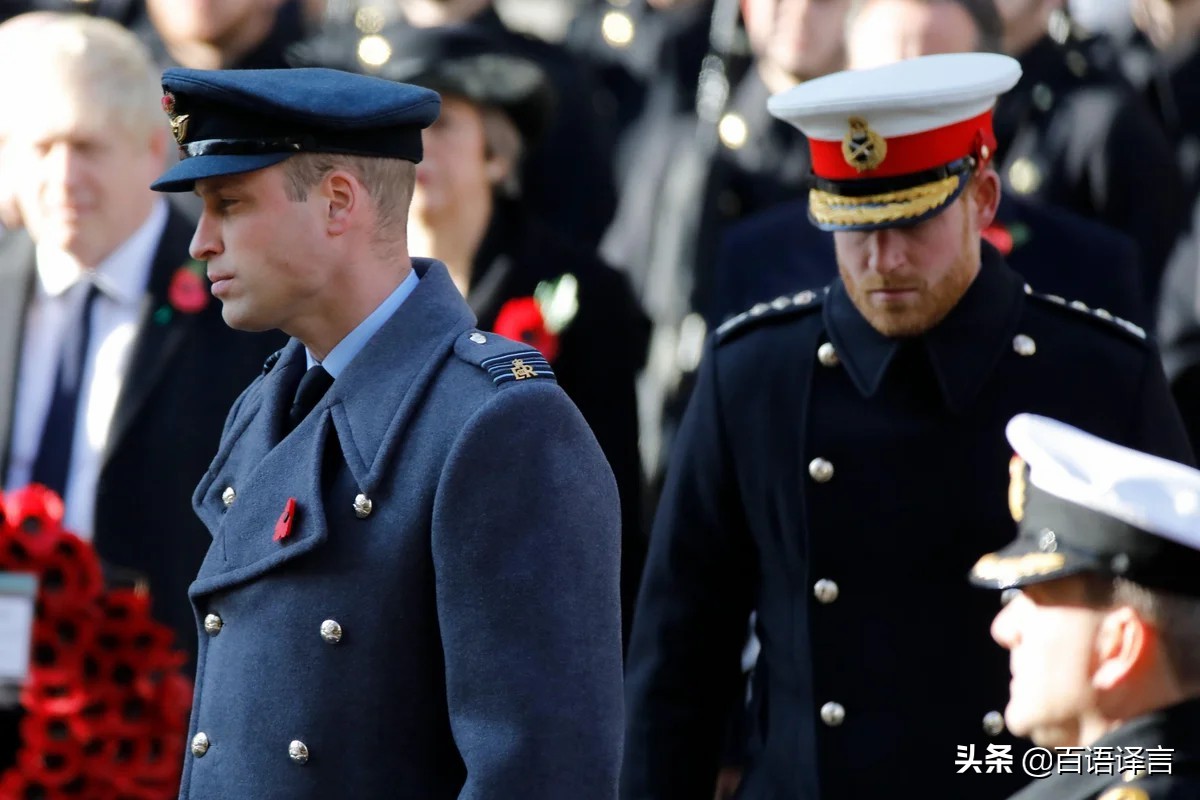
[{"x": 345, "y": 350}]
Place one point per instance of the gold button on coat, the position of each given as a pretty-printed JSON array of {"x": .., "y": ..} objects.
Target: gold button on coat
[
  {"x": 993, "y": 723},
  {"x": 331, "y": 631},
  {"x": 820, "y": 470},
  {"x": 826, "y": 591},
  {"x": 827, "y": 355},
  {"x": 213, "y": 624},
  {"x": 363, "y": 506},
  {"x": 228, "y": 496},
  {"x": 200, "y": 744},
  {"x": 298, "y": 751},
  {"x": 832, "y": 714}
]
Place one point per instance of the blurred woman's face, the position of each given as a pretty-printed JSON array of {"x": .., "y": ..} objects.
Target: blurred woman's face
[{"x": 455, "y": 169}]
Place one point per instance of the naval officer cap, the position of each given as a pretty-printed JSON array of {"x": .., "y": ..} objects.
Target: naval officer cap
[
  {"x": 896, "y": 144},
  {"x": 228, "y": 122},
  {"x": 1086, "y": 505}
]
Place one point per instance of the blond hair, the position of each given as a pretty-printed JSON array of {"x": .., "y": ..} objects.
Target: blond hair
[{"x": 91, "y": 63}]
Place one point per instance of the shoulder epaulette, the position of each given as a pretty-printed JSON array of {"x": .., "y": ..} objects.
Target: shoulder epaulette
[
  {"x": 1110, "y": 320},
  {"x": 505, "y": 360},
  {"x": 784, "y": 305},
  {"x": 271, "y": 361}
]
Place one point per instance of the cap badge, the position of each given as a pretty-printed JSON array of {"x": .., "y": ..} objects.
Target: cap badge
[
  {"x": 1016, "y": 488},
  {"x": 863, "y": 148},
  {"x": 179, "y": 122}
]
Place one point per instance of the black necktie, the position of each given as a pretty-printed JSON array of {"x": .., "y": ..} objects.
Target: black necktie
[
  {"x": 312, "y": 388},
  {"x": 53, "y": 461}
]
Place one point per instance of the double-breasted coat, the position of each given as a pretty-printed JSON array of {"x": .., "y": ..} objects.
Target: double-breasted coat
[
  {"x": 414, "y": 594},
  {"x": 841, "y": 484}
]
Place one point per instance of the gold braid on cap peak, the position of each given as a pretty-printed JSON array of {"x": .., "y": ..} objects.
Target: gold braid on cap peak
[{"x": 873, "y": 209}]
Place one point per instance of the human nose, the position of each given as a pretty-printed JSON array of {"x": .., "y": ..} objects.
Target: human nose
[
  {"x": 1004, "y": 629},
  {"x": 885, "y": 251},
  {"x": 206, "y": 241}
]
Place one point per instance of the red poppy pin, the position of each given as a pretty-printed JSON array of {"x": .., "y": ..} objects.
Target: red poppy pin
[
  {"x": 188, "y": 292},
  {"x": 539, "y": 320},
  {"x": 1005, "y": 237}
]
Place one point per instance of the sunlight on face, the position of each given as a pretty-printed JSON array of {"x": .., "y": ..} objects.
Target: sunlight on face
[{"x": 1051, "y": 638}]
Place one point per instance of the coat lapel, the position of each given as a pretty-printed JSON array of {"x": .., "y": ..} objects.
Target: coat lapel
[
  {"x": 17, "y": 271},
  {"x": 161, "y": 329},
  {"x": 394, "y": 367}
]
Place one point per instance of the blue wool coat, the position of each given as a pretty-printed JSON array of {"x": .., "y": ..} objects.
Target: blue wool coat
[{"x": 441, "y": 617}]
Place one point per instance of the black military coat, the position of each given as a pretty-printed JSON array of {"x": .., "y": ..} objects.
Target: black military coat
[
  {"x": 600, "y": 351},
  {"x": 842, "y": 484},
  {"x": 1078, "y": 136},
  {"x": 1176, "y": 728}
]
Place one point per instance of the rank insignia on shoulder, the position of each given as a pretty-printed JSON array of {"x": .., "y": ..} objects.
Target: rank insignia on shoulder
[
  {"x": 517, "y": 367},
  {"x": 505, "y": 360},
  {"x": 782, "y": 305},
  {"x": 1098, "y": 313}
]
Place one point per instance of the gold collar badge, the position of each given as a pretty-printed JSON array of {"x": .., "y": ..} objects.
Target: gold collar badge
[
  {"x": 1016, "y": 488},
  {"x": 863, "y": 148},
  {"x": 179, "y": 122}
]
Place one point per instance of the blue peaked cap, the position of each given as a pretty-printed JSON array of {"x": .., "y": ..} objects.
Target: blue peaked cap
[{"x": 232, "y": 121}]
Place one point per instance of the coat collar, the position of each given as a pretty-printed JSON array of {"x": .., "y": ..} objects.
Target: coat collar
[
  {"x": 962, "y": 349},
  {"x": 396, "y": 363}
]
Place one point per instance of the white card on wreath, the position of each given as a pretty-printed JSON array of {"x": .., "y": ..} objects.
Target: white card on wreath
[{"x": 18, "y": 591}]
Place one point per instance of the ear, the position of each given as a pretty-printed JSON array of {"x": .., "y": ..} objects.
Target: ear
[
  {"x": 498, "y": 169},
  {"x": 343, "y": 194},
  {"x": 1124, "y": 646},
  {"x": 985, "y": 191}
]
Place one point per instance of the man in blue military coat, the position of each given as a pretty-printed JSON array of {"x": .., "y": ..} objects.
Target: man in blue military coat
[
  {"x": 412, "y": 587},
  {"x": 843, "y": 463}
]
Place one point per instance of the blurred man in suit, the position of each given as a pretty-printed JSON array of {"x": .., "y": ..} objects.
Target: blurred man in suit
[{"x": 115, "y": 370}]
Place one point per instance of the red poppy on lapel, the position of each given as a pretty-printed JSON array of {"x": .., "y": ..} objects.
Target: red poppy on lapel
[
  {"x": 188, "y": 292},
  {"x": 283, "y": 527},
  {"x": 521, "y": 319}
]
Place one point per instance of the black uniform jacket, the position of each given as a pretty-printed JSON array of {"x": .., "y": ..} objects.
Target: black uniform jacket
[{"x": 842, "y": 484}]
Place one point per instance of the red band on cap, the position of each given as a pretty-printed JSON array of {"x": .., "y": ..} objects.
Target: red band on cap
[{"x": 915, "y": 152}]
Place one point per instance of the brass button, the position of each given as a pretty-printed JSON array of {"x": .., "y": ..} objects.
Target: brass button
[
  {"x": 228, "y": 496},
  {"x": 363, "y": 506},
  {"x": 1023, "y": 345},
  {"x": 298, "y": 751},
  {"x": 832, "y": 714},
  {"x": 827, "y": 355},
  {"x": 213, "y": 624},
  {"x": 826, "y": 591},
  {"x": 331, "y": 631},
  {"x": 993, "y": 723},
  {"x": 200, "y": 744},
  {"x": 820, "y": 470}
]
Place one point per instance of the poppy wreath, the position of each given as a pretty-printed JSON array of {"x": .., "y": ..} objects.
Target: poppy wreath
[{"x": 105, "y": 707}]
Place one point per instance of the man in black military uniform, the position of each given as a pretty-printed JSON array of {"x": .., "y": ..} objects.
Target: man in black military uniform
[
  {"x": 1102, "y": 619},
  {"x": 1059, "y": 252},
  {"x": 1077, "y": 135},
  {"x": 842, "y": 440}
]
